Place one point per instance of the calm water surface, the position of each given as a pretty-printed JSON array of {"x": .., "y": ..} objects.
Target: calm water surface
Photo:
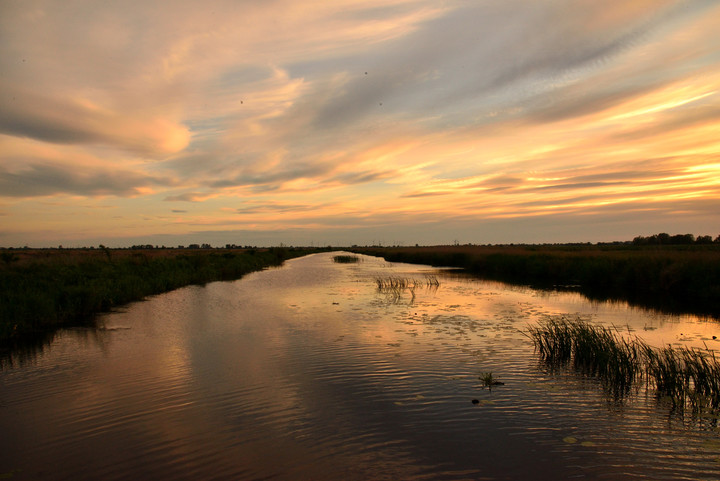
[{"x": 308, "y": 372}]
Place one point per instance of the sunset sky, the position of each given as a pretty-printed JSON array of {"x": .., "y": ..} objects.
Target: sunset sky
[{"x": 357, "y": 121}]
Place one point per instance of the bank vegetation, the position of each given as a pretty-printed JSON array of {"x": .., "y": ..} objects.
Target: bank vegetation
[
  {"x": 42, "y": 290},
  {"x": 677, "y": 278}
]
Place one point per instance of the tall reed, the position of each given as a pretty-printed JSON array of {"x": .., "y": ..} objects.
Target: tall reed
[
  {"x": 394, "y": 286},
  {"x": 690, "y": 378},
  {"x": 400, "y": 283}
]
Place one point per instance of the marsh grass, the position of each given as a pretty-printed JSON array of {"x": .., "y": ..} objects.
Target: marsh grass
[
  {"x": 346, "y": 259},
  {"x": 401, "y": 283},
  {"x": 678, "y": 279},
  {"x": 689, "y": 378},
  {"x": 395, "y": 287},
  {"x": 41, "y": 294}
]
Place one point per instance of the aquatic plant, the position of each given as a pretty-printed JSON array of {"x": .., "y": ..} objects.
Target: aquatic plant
[
  {"x": 346, "y": 259},
  {"x": 489, "y": 380},
  {"x": 393, "y": 283},
  {"x": 689, "y": 378}
]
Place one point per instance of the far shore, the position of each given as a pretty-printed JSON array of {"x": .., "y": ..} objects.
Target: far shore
[
  {"x": 678, "y": 279},
  {"x": 42, "y": 290}
]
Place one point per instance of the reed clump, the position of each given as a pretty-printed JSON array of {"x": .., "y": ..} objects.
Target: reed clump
[
  {"x": 394, "y": 286},
  {"x": 393, "y": 283},
  {"x": 346, "y": 259},
  {"x": 689, "y": 378}
]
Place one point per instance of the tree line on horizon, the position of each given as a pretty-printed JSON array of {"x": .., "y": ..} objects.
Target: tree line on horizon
[
  {"x": 677, "y": 239},
  {"x": 652, "y": 240}
]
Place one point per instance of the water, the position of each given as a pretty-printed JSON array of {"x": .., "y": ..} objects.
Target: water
[{"x": 308, "y": 372}]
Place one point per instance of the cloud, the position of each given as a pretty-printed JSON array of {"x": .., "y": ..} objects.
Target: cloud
[
  {"x": 278, "y": 208},
  {"x": 26, "y": 113},
  {"x": 361, "y": 177},
  {"x": 332, "y": 113},
  {"x": 48, "y": 179},
  {"x": 187, "y": 197},
  {"x": 479, "y": 59},
  {"x": 415, "y": 195}
]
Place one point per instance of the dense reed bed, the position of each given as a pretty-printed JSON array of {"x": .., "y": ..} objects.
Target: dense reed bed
[
  {"x": 674, "y": 278},
  {"x": 44, "y": 290},
  {"x": 689, "y": 378}
]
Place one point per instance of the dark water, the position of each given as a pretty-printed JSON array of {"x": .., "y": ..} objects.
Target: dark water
[{"x": 308, "y": 372}]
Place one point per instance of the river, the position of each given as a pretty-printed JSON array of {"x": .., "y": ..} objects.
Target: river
[{"x": 308, "y": 371}]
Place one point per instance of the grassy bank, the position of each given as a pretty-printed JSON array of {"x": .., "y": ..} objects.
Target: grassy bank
[
  {"x": 45, "y": 289},
  {"x": 682, "y": 279}
]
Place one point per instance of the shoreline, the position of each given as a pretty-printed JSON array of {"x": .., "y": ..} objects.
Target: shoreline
[
  {"x": 670, "y": 279},
  {"x": 43, "y": 290}
]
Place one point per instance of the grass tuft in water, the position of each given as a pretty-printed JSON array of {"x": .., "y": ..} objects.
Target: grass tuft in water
[
  {"x": 489, "y": 380},
  {"x": 690, "y": 378},
  {"x": 394, "y": 287},
  {"x": 399, "y": 283},
  {"x": 346, "y": 259}
]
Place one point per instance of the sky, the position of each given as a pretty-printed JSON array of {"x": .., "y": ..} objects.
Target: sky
[{"x": 393, "y": 122}]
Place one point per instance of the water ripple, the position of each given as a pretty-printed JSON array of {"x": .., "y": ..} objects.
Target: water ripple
[{"x": 307, "y": 372}]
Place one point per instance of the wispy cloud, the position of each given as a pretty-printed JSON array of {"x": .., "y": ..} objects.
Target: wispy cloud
[
  {"x": 367, "y": 115},
  {"x": 46, "y": 179}
]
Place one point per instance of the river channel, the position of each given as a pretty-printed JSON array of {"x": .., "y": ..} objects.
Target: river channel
[{"x": 308, "y": 371}]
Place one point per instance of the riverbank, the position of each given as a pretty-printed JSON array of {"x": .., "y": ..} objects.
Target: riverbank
[
  {"x": 45, "y": 289},
  {"x": 676, "y": 279}
]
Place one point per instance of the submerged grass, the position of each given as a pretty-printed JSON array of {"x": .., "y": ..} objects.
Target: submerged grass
[{"x": 689, "y": 378}]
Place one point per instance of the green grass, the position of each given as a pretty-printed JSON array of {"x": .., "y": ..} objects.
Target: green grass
[
  {"x": 689, "y": 378},
  {"x": 44, "y": 292}
]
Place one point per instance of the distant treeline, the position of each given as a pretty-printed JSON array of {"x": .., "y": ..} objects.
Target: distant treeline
[
  {"x": 677, "y": 239},
  {"x": 668, "y": 277},
  {"x": 43, "y": 290}
]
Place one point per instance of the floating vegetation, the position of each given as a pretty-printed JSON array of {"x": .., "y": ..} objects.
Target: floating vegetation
[
  {"x": 346, "y": 259},
  {"x": 489, "y": 380},
  {"x": 689, "y": 378}
]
